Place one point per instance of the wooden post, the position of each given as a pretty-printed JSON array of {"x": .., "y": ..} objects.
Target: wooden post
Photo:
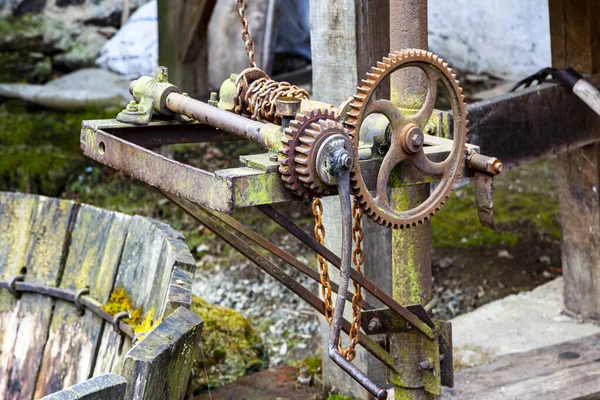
[
  {"x": 182, "y": 42},
  {"x": 575, "y": 34},
  {"x": 345, "y": 44}
]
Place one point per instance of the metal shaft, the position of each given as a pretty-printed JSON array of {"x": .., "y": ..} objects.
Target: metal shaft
[{"x": 259, "y": 132}]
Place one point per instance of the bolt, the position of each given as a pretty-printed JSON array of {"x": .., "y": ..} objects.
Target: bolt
[
  {"x": 344, "y": 159},
  {"x": 497, "y": 167},
  {"x": 425, "y": 365},
  {"x": 408, "y": 326},
  {"x": 161, "y": 74},
  {"x": 374, "y": 324},
  {"x": 417, "y": 139},
  {"x": 213, "y": 99},
  {"x": 132, "y": 106}
]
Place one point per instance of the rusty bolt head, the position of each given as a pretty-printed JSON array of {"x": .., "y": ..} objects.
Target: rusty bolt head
[
  {"x": 497, "y": 167},
  {"x": 374, "y": 324},
  {"x": 413, "y": 139}
]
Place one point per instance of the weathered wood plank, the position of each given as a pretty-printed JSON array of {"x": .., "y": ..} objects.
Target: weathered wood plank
[
  {"x": 150, "y": 252},
  {"x": 566, "y": 371},
  {"x": 161, "y": 363},
  {"x": 345, "y": 45},
  {"x": 96, "y": 245},
  {"x": 103, "y": 387},
  {"x": 33, "y": 242},
  {"x": 178, "y": 275}
]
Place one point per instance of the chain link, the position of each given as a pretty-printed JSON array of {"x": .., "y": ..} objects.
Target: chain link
[
  {"x": 357, "y": 259},
  {"x": 259, "y": 101},
  {"x": 240, "y": 6}
]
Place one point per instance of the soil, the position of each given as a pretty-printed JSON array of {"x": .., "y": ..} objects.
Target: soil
[{"x": 272, "y": 384}]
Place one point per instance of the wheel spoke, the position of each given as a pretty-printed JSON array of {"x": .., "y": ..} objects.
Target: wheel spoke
[
  {"x": 428, "y": 167},
  {"x": 392, "y": 158},
  {"x": 422, "y": 116}
]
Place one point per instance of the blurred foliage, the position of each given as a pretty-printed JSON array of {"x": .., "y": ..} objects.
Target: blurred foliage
[
  {"x": 39, "y": 149},
  {"x": 525, "y": 203}
]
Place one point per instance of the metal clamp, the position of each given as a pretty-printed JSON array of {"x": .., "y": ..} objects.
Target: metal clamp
[
  {"x": 78, "y": 304},
  {"x": 117, "y": 318},
  {"x": 12, "y": 285}
]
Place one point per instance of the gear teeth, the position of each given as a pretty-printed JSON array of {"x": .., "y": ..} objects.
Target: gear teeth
[{"x": 387, "y": 65}]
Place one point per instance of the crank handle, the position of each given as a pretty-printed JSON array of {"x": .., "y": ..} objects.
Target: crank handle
[{"x": 342, "y": 176}]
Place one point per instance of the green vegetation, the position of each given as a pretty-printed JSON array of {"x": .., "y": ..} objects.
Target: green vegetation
[
  {"x": 230, "y": 346},
  {"x": 525, "y": 203},
  {"x": 39, "y": 149}
]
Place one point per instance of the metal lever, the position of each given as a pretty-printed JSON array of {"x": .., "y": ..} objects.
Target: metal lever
[{"x": 342, "y": 176}]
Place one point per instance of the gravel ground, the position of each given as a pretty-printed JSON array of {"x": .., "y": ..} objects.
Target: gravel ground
[{"x": 286, "y": 324}]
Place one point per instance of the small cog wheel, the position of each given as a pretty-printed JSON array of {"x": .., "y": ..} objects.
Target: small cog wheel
[{"x": 299, "y": 152}]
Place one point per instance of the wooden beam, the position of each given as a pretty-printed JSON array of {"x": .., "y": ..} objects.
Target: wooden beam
[
  {"x": 566, "y": 371},
  {"x": 183, "y": 43},
  {"x": 345, "y": 44},
  {"x": 575, "y": 35}
]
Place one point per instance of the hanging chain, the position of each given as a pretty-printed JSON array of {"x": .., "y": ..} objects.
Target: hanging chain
[
  {"x": 317, "y": 208},
  {"x": 358, "y": 257},
  {"x": 240, "y": 6}
]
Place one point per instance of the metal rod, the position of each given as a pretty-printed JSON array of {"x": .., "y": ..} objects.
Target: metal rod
[
  {"x": 70, "y": 296},
  {"x": 343, "y": 178},
  {"x": 221, "y": 119},
  {"x": 220, "y": 229},
  {"x": 367, "y": 284},
  {"x": 276, "y": 251}
]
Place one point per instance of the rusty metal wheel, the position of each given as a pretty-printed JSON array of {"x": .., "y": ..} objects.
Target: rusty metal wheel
[{"x": 406, "y": 137}]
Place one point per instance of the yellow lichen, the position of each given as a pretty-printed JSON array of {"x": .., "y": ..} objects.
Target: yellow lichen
[{"x": 119, "y": 301}]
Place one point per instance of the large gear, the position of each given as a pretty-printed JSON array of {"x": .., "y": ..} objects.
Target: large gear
[
  {"x": 363, "y": 104},
  {"x": 299, "y": 151}
]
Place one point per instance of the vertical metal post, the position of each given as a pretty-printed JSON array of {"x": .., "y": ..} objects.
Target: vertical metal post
[{"x": 411, "y": 249}]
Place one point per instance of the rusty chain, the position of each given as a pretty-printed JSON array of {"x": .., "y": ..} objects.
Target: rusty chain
[
  {"x": 358, "y": 257},
  {"x": 240, "y": 6},
  {"x": 259, "y": 101}
]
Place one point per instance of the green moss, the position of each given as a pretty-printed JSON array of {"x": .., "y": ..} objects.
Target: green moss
[
  {"x": 525, "y": 203},
  {"x": 39, "y": 149},
  {"x": 335, "y": 396},
  {"x": 230, "y": 346}
]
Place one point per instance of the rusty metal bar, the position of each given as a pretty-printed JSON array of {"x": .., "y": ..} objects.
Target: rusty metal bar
[
  {"x": 262, "y": 133},
  {"x": 368, "y": 285},
  {"x": 16, "y": 286},
  {"x": 276, "y": 251},
  {"x": 221, "y": 230}
]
